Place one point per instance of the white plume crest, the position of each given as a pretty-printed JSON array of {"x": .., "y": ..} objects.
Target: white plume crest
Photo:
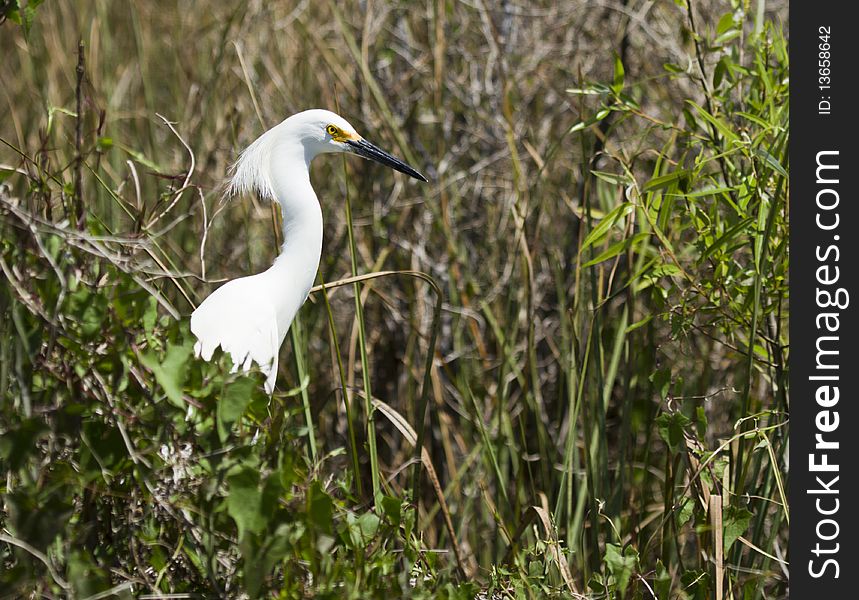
[{"x": 250, "y": 173}]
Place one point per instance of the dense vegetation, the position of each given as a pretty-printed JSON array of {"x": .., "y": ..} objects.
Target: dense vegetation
[{"x": 597, "y": 335}]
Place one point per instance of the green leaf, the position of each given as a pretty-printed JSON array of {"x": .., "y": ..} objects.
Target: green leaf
[
  {"x": 588, "y": 122},
  {"x": 686, "y": 511},
  {"x": 671, "y": 427},
  {"x": 170, "y": 373},
  {"x": 6, "y": 174},
  {"x": 662, "y": 581},
  {"x": 664, "y": 270},
  {"x": 721, "y": 70},
  {"x": 710, "y": 191},
  {"x": 89, "y": 307},
  {"x": 23, "y": 16},
  {"x": 105, "y": 443},
  {"x": 363, "y": 529},
  {"x": 150, "y": 315},
  {"x": 736, "y": 522},
  {"x": 592, "y": 90},
  {"x": 141, "y": 158},
  {"x": 753, "y": 118},
  {"x": 616, "y": 248},
  {"x": 663, "y": 181},
  {"x": 772, "y": 161},
  {"x": 621, "y": 564},
  {"x": 607, "y": 222},
  {"x": 726, "y": 37},
  {"x": 244, "y": 502},
  {"x": 638, "y": 324},
  {"x": 661, "y": 381},
  {"x": 701, "y": 422},
  {"x": 320, "y": 508},
  {"x": 235, "y": 399},
  {"x": 723, "y": 128},
  {"x": 615, "y": 178},
  {"x": 696, "y": 584},
  {"x": 725, "y": 23},
  {"x": 392, "y": 507},
  {"x": 726, "y": 237},
  {"x": 617, "y": 84}
]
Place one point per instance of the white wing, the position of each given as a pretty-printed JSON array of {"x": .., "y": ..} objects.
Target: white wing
[{"x": 240, "y": 318}]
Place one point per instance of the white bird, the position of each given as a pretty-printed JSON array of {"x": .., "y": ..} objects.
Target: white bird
[{"x": 250, "y": 316}]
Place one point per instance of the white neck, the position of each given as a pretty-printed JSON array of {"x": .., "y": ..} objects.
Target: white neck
[{"x": 294, "y": 271}]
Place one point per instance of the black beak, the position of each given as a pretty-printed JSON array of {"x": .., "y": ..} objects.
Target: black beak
[{"x": 364, "y": 148}]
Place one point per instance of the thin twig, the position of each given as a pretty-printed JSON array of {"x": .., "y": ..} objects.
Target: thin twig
[{"x": 9, "y": 539}]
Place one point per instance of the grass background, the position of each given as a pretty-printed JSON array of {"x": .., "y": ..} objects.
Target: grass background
[{"x": 606, "y": 228}]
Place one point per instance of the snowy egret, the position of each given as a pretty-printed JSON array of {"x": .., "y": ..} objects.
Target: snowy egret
[{"x": 250, "y": 316}]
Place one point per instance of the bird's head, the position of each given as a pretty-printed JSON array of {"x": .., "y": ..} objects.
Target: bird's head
[{"x": 323, "y": 131}]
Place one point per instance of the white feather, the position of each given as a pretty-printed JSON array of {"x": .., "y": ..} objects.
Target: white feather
[{"x": 239, "y": 319}]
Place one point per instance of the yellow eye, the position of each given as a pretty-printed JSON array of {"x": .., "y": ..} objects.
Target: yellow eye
[{"x": 332, "y": 130}]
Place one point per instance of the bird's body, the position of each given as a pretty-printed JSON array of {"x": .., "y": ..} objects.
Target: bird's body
[{"x": 249, "y": 317}]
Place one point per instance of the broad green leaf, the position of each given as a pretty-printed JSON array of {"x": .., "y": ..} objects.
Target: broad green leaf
[
  {"x": 664, "y": 270},
  {"x": 22, "y": 13},
  {"x": 726, "y": 37},
  {"x": 621, "y": 564},
  {"x": 696, "y": 584},
  {"x": 235, "y": 398},
  {"x": 661, "y": 381},
  {"x": 244, "y": 502},
  {"x": 363, "y": 529},
  {"x": 662, "y": 581},
  {"x": 170, "y": 373},
  {"x": 320, "y": 507},
  {"x": 722, "y": 68},
  {"x": 392, "y": 508},
  {"x": 736, "y": 522},
  {"x": 671, "y": 427},
  {"x": 687, "y": 509},
  {"x": 726, "y": 22},
  {"x": 89, "y": 307},
  {"x": 150, "y": 315},
  {"x": 37, "y": 518}
]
